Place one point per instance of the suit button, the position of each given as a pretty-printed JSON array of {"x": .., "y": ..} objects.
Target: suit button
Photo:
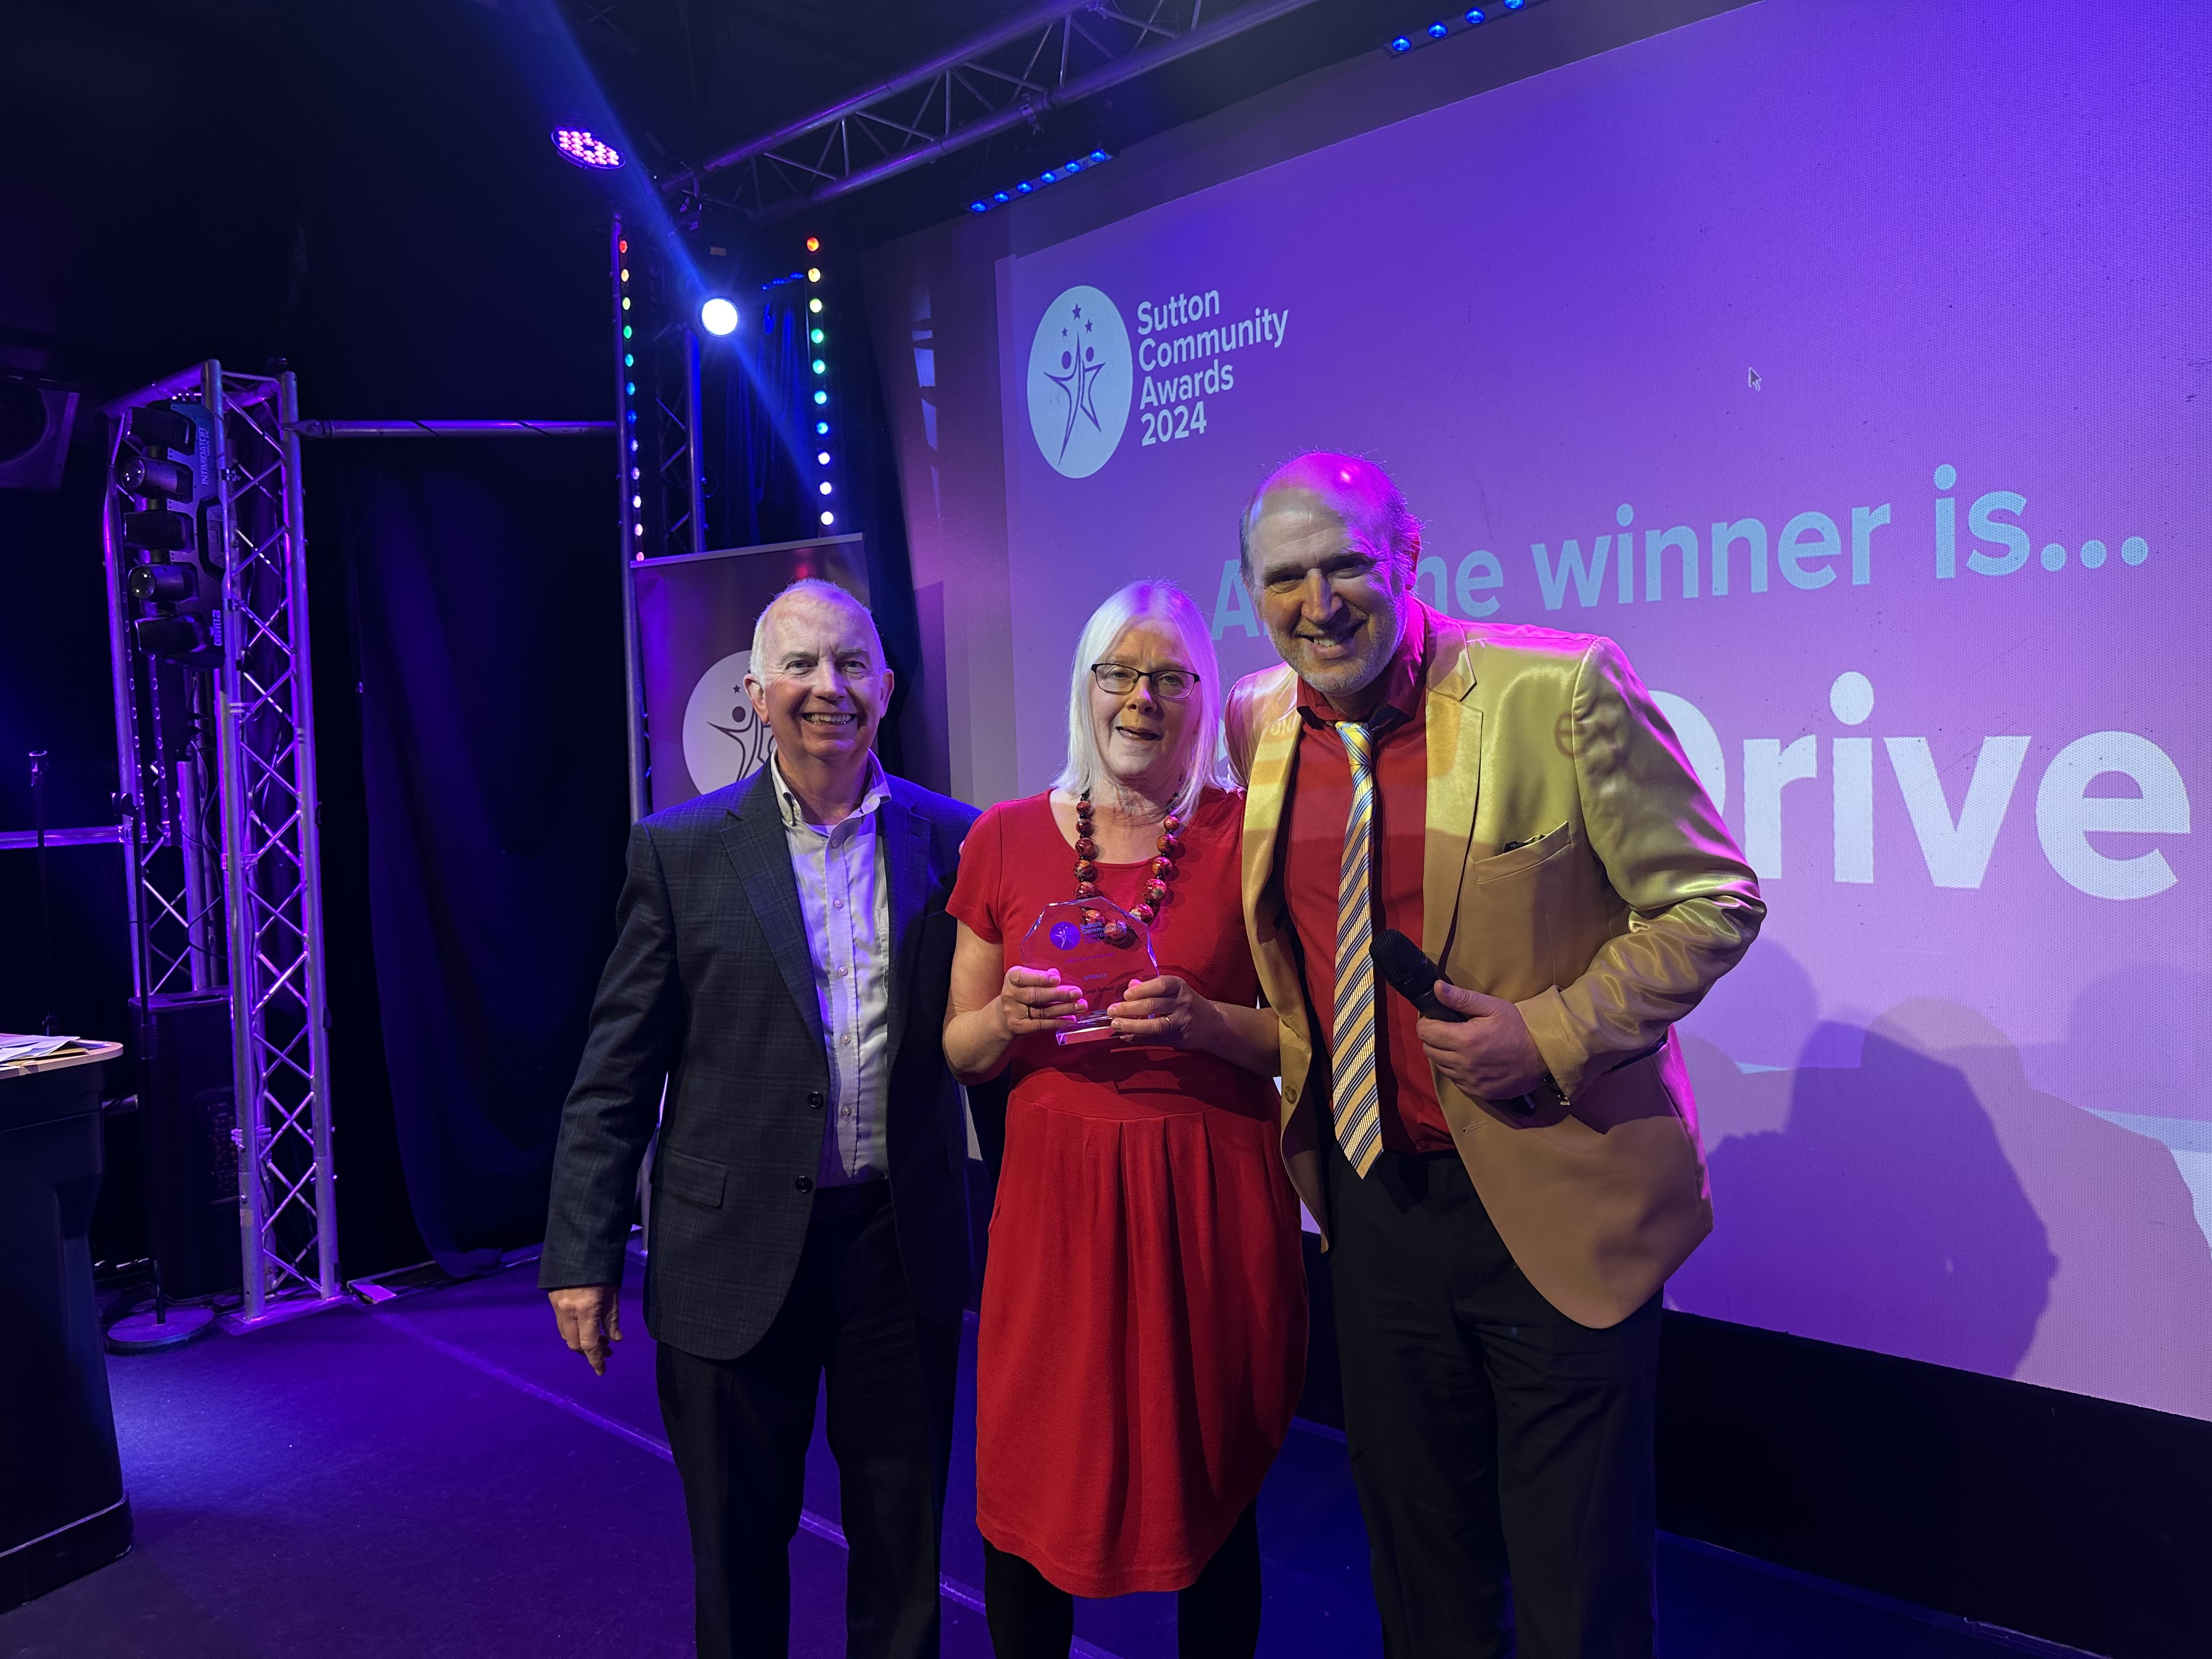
[
  {"x": 814, "y": 1102},
  {"x": 1291, "y": 1094},
  {"x": 805, "y": 1183}
]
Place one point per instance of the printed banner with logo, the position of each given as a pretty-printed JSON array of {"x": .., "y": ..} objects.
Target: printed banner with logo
[
  {"x": 1852, "y": 364},
  {"x": 695, "y": 625}
]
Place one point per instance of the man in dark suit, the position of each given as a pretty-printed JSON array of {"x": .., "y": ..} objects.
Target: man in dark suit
[{"x": 781, "y": 964}]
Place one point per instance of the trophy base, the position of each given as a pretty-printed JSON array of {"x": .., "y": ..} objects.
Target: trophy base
[{"x": 1083, "y": 1034}]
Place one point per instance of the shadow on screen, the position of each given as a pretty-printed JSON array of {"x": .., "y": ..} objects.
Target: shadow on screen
[{"x": 1868, "y": 1203}]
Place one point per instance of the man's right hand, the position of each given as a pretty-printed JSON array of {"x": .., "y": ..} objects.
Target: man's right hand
[{"x": 590, "y": 1318}]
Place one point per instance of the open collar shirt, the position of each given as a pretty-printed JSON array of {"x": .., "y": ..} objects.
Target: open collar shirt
[{"x": 844, "y": 896}]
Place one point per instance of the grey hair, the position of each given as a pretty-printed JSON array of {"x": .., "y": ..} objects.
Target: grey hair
[
  {"x": 821, "y": 589},
  {"x": 1402, "y": 530},
  {"x": 1149, "y": 601}
]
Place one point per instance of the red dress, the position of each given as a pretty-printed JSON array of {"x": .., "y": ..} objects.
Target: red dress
[{"x": 1142, "y": 1335}]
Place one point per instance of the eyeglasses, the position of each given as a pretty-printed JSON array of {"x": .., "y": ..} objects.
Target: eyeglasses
[{"x": 1119, "y": 680}]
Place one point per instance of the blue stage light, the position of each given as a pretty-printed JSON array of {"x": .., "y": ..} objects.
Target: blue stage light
[
  {"x": 1100, "y": 156},
  {"x": 1515, "y": 5},
  {"x": 629, "y": 389},
  {"x": 1024, "y": 188},
  {"x": 1474, "y": 14},
  {"x": 1437, "y": 31},
  {"x": 1402, "y": 43},
  {"x": 816, "y": 336},
  {"x": 821, "y": 397},
  {"x": 718, "y": 316},
  {"x": 978, "y": 207},
  {"x": 822, "y": 428},
  {"x": 1048, "y": 177}
]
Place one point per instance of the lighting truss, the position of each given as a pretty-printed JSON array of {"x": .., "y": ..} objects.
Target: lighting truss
[
  {"x": 223, "y": 889},
  {"x": 1045, "y": 58}
]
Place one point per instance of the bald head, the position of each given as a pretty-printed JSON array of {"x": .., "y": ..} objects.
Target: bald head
[
  {"x": 811, "y": 595},
  {"x": 1357, "y": 491}
]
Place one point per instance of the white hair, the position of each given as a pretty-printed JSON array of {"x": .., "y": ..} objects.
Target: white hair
[
  {"x": 815, "y": 587},
  {"x": 1207, "y": 761}
]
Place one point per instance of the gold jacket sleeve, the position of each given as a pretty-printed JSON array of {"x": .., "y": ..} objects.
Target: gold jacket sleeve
[{"x": 1694, "y": 903}]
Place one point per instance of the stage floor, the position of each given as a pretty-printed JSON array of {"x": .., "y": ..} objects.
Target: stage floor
[{"x": 438, "y": 1476}]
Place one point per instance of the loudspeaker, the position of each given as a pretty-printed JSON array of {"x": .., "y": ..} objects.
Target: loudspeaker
[
  {"x": 187, "y": 1108},
  {"x": 35, "y": 432}
]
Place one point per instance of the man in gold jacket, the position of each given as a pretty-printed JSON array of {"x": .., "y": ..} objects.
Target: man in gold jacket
[{"x": 1504, "y": 1196}]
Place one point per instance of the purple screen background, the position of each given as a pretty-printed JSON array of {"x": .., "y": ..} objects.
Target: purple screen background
[{"x": 1792, "y": 261}]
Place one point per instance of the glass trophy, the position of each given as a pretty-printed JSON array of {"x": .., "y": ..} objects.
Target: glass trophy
[{"x": 1097, "y": 947}]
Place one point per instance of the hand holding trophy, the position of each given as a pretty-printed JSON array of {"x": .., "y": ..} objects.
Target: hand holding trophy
[{"x": 1097, "y": 947}]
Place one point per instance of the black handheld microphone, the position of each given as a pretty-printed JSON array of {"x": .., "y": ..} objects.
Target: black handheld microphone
[{"x": 1415, "y": 978}]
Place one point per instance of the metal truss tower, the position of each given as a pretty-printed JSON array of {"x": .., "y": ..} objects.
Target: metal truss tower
[
  {"x": 215, "y": 749},
  {"x": 1050, "y": 56}
]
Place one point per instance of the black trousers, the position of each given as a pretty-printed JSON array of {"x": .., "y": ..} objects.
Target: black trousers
[
  {"x": 739, "y": 1430},
  {"x": 1216, "y": 1615},
  {"x": 1503, "y": 1453}
]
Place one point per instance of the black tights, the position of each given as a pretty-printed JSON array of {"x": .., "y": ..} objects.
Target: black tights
[{"x": 1218, "y": 1617}]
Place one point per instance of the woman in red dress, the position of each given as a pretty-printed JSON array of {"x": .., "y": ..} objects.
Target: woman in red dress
[{"x": 1143, "y": 1332}]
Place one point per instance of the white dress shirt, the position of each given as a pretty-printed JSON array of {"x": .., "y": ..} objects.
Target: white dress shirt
[{"x": 844, "y": 894}]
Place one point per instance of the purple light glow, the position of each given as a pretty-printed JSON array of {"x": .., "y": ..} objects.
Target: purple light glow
[{"x": 580, "y": 149}]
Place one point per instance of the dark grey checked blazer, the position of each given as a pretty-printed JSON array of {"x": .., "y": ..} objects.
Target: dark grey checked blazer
[{"x": 711, "y": 986}]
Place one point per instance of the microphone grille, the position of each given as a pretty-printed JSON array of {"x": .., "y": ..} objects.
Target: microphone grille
[{"x": 1402, "y": 961}]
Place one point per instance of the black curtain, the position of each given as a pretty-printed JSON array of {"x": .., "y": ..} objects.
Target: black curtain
[
  {"x": 492, "y": 758},
  {"x": 468, "y": 627}
]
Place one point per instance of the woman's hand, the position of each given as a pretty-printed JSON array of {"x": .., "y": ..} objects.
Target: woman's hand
[
  {"x": 1167, "y": 1011},
  {"x": 1033, "y": 1001}
]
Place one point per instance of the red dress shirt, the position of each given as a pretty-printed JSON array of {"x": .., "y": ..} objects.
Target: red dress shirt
[{"x": 1321, "y": 803}]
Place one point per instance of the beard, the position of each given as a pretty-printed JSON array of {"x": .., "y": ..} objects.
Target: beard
[{"x": 1373, "y": 646}]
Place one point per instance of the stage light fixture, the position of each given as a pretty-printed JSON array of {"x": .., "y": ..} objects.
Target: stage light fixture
[
  {"x": 822, "y": 428},
  {"x": 579, "y": 148},
  {"x": 821, "y": 397},
  {"x": 1515, "y": 5},
  {"x": 822, "y": 458},
  {"x": 1474, "y": 14},
  {"x": 813, "y": 273},
  {"x": 169, "y": 636},
  {"x": 149, "y": 475},
  {"x": 829, "y": 519},
  {"x": 1052, "y": 175},
  {"x": 1402, "y": 43},
  {"x": 826, "y": 488},
  {"x": 1437, "y": 31},
  {"x": 814, "y": 245},
  {"x": 161, "y": 584},
  {"x": 718, "y": 316},
  {"x": 157, "y": 531},
  {"x": 816, "y": 336},
  {"x": 821, "y": 367}
]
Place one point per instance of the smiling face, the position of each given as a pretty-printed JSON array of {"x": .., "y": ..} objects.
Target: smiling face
[
  {"x": 819, "y": 680},
  {"x": 1329, "y": 589},
  {"x": 1143, "y": 738}
]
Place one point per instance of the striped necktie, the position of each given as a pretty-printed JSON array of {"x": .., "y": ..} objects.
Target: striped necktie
[{"x": 1358, "y": 1100}]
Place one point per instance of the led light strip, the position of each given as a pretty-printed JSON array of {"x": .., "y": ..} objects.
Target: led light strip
[
  {"x": 1473, "y": 18},
  {"x": 629, "y": 401},
  {"x": 1031, "y": 186},
  {"x": 817, "y": 348}
]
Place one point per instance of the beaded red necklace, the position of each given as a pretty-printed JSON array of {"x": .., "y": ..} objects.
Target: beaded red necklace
[{"x": 1156, "y": 886}]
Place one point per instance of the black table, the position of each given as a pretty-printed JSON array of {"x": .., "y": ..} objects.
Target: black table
[{"x": 63, "y": 1511}]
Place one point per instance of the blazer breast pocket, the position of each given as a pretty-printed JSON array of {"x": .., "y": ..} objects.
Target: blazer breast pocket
[{"x": 1499, "y": 866}]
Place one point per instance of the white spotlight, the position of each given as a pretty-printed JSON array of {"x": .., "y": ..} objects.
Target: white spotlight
[{"x": 719, "y": 316}]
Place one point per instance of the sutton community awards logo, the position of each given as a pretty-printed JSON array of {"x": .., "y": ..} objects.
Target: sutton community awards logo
[{"x": 1080, "y": 380}]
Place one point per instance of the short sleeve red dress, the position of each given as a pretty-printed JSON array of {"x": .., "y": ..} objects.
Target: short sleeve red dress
[{"x": 1143, "y": 1334}]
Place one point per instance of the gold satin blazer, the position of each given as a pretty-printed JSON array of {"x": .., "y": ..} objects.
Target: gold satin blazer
[{"x": 1629, "y": 899}]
